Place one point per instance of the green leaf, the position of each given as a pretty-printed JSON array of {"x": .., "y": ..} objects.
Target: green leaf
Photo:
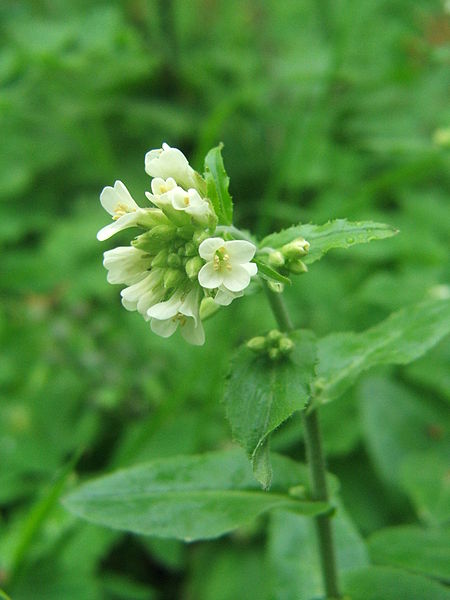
[
  {"x": 217, "y": 182},
  {"x": 334, "y": 234},
  {"x": 383, "y": 583},
  {"x": 401, "y": 338},
  {"x": 425, "y": 478},
  {"x": 397, "y": 424},
  {"x": 187, "y": 497},
  {"x": 261, "y": 394},
  {"x": 294, "y": 555},
  {"x": 425, "y": 551},
  {"x": 268, "y": 273}
]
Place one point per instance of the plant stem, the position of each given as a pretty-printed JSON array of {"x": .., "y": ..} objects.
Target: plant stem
[{"x": 317, "y": 472}]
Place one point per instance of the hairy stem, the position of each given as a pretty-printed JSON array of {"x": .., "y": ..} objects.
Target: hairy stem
[{"x": 317, "y": 472}]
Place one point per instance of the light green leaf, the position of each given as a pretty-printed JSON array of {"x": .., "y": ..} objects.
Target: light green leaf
[
  {"x": 401, "y": 338},
  {"x": 261, "y": 394},
  {"x": 383, "y": 583},
  {"x": 294, "y": 556},
  {"x": 425, "y": 551},
  {"x": 334, "y": 234},
  {"x": 187, "y": 497},
  {"x": 217, "y": 182},
  {"x": 426, "y": 479}
]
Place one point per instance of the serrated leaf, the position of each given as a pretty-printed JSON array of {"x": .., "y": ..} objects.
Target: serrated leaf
[
  {"x": 401, "y": 338},
  {"x": 188, "y": 497},
  {"x": 334, "y": 234},
  {"x": 268, "y": 273},
  {"x": 425, "y": 551},
  {"x": 217, "y": 182},
  {"x": 261, "y": 394},
  {"x": 384, "y": 583}
]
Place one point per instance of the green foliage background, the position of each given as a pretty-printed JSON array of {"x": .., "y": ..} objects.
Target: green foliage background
[{"x": 326, "y": 110}]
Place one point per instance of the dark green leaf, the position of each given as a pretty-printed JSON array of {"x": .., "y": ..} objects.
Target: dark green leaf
[
  {"x": 401, "y": 338},
  {"x": 261, "y": 394},
  {"x": 217, "y": 182},
  {"x": 187, "y": 497},
  {"x": 425, "y": 551},
  {"x": 383, "y": 583},
  {"x": 334, "y": 234}
]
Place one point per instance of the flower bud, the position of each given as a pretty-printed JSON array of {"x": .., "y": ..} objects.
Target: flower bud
[
  {"x": 160, "y": 259},
  {"x": 257, "y": 344},
  {"x": 173, "y": 278},
  {"x": 297, "y": 267},
  {"x": 173, "y": 260},
  {"x": 286, "y": 345},
  {"x": 190, "y": 249},
  {"x": 274, "y": 353},
  {"x": 151, "y": 217},
  {"x": 193, "y": 266},
  {"x": 152, "y": 241},
  {"x": 274, "y": 336},
  {"x": 276, "y": 259},
  {"x": 185, "y": 232},
  {"x": 295, "y": 249},
  {"x": 275, "y": 286}
]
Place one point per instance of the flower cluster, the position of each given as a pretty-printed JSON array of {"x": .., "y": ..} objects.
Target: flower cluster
[{"x": 176, "y": 260}]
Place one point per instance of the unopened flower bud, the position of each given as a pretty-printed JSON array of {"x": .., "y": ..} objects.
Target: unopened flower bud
[
  {"x": 160, "y": 259},
  {"x": 275, "y": 286},
  {"x": 276, "y": 259},
  {"x": 173, "y": 278},
  {"x": 173, "y": 260},
  {"x": 152, "y": 217},
  {"x": 257, "y": 344},
  {"x": 286, "y": 345},
  {"x": 190, "y": 249},
  {"x": 199, "y": 236},
  {"x": 152, "y": 241},
  {"x": 295, "y": 249},
  {"x": 274, "y": 335},
  {"x": 185, "y": 232},
  {"x": 274, "y": 353},
  {"x": 193, "y": 266},
  {"x": 297, "y": 266}
]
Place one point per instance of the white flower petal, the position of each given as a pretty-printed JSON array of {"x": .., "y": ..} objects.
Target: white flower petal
[
  {"x": 124, "y": 222},
  {"x": 224, "y": 297},
  {"x": 149, "y": 299},
  {"x": 164, "y": 328},
  {"x": 237, "y": 279},
  {"x": 191, "y": 304},
  {"x": 240, "y": 251},
  {"x": 194, "y": 334},
  {"x": 126, "y": 264},
  {"x": 209, "y": 246},
  {"x": 167, "y": 309},
  {"x": 252, "y": 268},
  {"x": 111, "y": 197},
  {"x": 208, "y": 277}
]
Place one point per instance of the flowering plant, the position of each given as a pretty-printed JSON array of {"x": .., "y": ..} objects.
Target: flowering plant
[{"x": 187, "y": 261}]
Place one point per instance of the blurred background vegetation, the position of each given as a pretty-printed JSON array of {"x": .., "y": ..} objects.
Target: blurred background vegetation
[{"x": 327, "y": 109}]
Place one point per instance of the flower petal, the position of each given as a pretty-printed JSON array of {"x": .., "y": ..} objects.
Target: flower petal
[
  {"x": 164, "y": 328},
  {"x": 124, "y": 222},
  {"x": 237, "y": 279},
  {"x": 209, "y": 246},
  {"x": 191, "y": 304},
  {"x": 193, "y": 334},
  {"x": 208, "y": 277},
  {"x": 252, "y": 268},
  {"x": 224, "y": 297},
  {"x": 111, "y": 197},
  {"x": 240, "y": 251},
  {"x": 167, "y": 309}
]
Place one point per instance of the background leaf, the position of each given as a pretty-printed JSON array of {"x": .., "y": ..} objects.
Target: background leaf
[{"x": 261, "y": 394}]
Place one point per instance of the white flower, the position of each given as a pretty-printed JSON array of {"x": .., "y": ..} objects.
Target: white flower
[
  {"x": 182, "y": 310},
  {"x": 166, "y": 194},
  {"x": 167, "y": 162},
  {"x": 228, "y": 264},
  {"x": 145, "y": 293},
  {"x": 126, "y": 264},
  {"x": 125, "y": 212},
  {"x": 224, "y": 297}
]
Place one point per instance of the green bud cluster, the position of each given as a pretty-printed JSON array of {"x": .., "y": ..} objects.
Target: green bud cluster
[
  {"x": 275, "y": 345},
  {"x": 288, "y": 258}
]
